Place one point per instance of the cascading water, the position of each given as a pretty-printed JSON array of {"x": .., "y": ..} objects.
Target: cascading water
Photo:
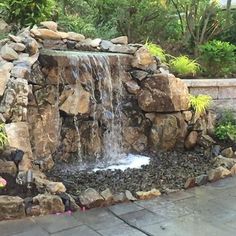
[{"x": 100, "y": 75}]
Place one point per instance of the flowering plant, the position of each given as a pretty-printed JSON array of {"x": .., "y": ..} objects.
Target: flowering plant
[{"x": 3, "y": 182}]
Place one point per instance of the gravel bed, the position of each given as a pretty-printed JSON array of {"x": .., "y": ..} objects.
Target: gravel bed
[{"x": 166, "y": 171}]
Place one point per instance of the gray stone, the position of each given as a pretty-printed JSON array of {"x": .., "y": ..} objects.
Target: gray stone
[
  {"x": 8, "y": 53},
  {"x": 223, "y": 161},
  {"x": 16, "y": 39},
  {"x": 132, "y": 87},
  {"x": 105, "y": 45},
  {"x": 139, "y": 74},
  {"x": 119, "y": 197},
  {"x": 91, "y": 198},
  {"x": 227, "y": 152},
  {"x": 122, "y": 49},
  {"x": 8, "y": 167},
  {"x": 21, "y": 71},
  {"x": 4, "y": 27},
  {"x": 95, "y": 42},
  {"x": 11, "y": 207},
  {"x": 216, "y": 150},
  {"x": 130, "y": 196},
  {"x": 201, "y": 180}
]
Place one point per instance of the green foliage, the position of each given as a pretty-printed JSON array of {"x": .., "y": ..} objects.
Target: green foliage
[
  {"x": 184, "y": 66},
  {"x": 218, "y": 58},
  {"x": 3, "y": 136},
  {"x": 156, "y": 51},
  {"x": 226, "y": 127},
  {"x": 200, "y": 103},
  {"x": 27, "y": 12}
]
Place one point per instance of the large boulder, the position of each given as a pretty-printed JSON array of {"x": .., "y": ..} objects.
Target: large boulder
[
  {"x": 18, "y": 137},
  {"x": 167, "y": 131},
  {"x": 143, "y": 60},
  {"x": 49, "y": 204},
  {"x": 75, "y": 101},
  {"x": 11, "y": 207},
  {"x": 91, "y": 198},
  {"x": 163, "y": 93}
]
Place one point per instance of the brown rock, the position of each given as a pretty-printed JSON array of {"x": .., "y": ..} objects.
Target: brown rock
[
  {"x": 16, "y": 39},
  {"x": 55, "y": 187},
  {"x": 191, "y": 140},
  {"x": 143, "y": 59},
  {"x": 51, "y": 25},
  {"x": 206, "y": 141},
  {"x": 190, "y": 183},
  {"x": 45, "y": 34},
  {"x": 33, "y": 211},
  {"x": 163, "y": 93},
  {"x": 32, "y": 47},
  {"x": 149, "y": 194},
  {"x": 49, "y": 204},
  {"x": 4, "y": 77},
  {"x": 132, "y": 87},
  {"x": 120, "y": 40},
  {"x": 187, "y": 115},
  {"x": 122, "y": 49},
  {"x": 11, "y": 207},
  {"x": 63, "y": 35},
  {"x": 18, "y": 137},
  {"x": 224, "y": 161},
  {"x": 75, "y": 36},
  {"x": 119, "y": 198},
  {"x": 91, "y": 198},
  {"x": 8, "y": 167},
  {"x": 107, "y": 195},
  {"x": 218, "y": 173},
  {"x": 233, "y": 170},
  {"x": 8, "y": 53},
  {"x": 77, "y": 101},
  {"x": 167, "y": 131},
  {"x": 18, "y": 47},
  {"x": 228, "y": 152}
]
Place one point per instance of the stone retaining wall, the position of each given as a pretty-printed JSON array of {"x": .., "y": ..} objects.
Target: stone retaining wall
[{"x": 223, "y": 91}]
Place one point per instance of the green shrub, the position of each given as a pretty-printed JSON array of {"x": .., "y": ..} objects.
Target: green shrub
[
  {"x": 226, "y": 127},
  {"x": 156, "y": 51},
  {"x": 184, "y": 66},
  {"x": 200, "y": 103},
  {"x": 218, "y": 58},
  {"x": 27, "y": 12},
  {"x": 3, "y": 136}
]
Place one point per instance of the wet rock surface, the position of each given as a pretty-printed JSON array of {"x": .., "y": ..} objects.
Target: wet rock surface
[{"x": 167, "y": 170}]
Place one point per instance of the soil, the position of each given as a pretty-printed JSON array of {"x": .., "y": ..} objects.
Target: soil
[{"x": 166, "y": 171}]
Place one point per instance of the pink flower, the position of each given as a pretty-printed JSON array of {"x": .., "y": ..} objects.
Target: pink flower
[{"x": 3, "y": 182}]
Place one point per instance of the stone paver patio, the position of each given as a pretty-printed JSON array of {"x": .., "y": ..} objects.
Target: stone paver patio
[{"x": 207, "y": 211}]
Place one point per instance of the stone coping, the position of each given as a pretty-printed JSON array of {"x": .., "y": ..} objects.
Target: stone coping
[{"x": 210, "y": 82}]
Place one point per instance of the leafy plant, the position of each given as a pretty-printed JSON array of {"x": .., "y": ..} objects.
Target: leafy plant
[
  {"x": 226, "y": 127},
  {"x": 3, "y": 136},
  {"x": 226, "y": 131},
  {"x": 200, "y": 103},
  {"x": 27, "y": 12},
  {"x": 218, "y": 58},
  {"x": 182, "y": 65},
  {"x": 156, "y": 51}
]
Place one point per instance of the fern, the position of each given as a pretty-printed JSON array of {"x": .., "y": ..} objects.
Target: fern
[
  {"x": 182, "y": 65},
  {"x": 3, "y": 136},
  {"x": 200, "y": 103},
  {"x": 156, "y": 51}
]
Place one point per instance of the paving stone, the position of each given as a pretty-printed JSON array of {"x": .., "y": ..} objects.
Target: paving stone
[
  {"x": 12, "y": 227},
  {"x": 36, "y": 231},
  {"x": 54, "y": 223},
  {"x": 180, "y": 195},
  {"x": 186, "y": 226},
  {"x": 124, "y": 208},
  {"x": 143, "y": 217},
  {"x": 122, "y": 230},
  {"x": 98, "y": 218},
  {"x": 82, "y": 230}
]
